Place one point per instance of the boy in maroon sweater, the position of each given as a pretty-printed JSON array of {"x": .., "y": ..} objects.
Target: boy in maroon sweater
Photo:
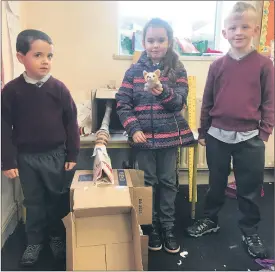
[
  {"x": 237, "y": 116},
  {"x": 40, "y": 143}
]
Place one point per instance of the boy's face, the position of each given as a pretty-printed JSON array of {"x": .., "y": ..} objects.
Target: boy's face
[
  {"x": 38, "y": 60},
  {"x": 240, "y": 29},
  {"x": 156, "y": 43}
]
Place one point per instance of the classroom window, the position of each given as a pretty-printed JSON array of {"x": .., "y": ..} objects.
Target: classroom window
[{"x": 197, "y": 25}]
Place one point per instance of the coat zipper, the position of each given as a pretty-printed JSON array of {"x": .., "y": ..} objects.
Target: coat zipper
[
  {"x": 178, "y": 128},
  {"x": 152, "y": 122}
]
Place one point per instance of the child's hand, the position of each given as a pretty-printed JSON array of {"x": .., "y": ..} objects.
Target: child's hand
[
  {"x": 156, "y": 92},
  {"x": 69, "y": 165},
  {"x": 139, "y": 137},
  {"x": 12, "y": 173},
  {"x": 158, "y": 89},
  {"x": 202, "y": 142}
]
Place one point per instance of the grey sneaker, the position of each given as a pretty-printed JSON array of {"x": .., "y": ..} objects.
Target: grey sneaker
[
  {"x": 58, "y": 247},
  {"x": 31, "y": 254},
  {"x": 202, "y": 227},
  {"x": 255, "y": 246}
]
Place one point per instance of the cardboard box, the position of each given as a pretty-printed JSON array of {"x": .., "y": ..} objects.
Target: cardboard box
[
  {"x": 141, "y": 196},
  {"x": 144, "y": 251},
  {"x": 102, "y": 231}
]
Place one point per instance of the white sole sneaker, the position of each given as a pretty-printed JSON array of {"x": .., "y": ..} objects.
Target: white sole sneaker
[
  {"x": 155, "y": 248},
  {"x": 171, "y": 250}
]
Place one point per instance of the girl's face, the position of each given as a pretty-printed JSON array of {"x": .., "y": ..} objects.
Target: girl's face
[{"x": 156, "y": 43}]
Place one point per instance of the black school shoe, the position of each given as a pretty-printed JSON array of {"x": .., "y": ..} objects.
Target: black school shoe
[
  {"x": 255, "y": 246},
  {"x": 154, "y": 243},
  {"x": 31, "y": 255},
  {"x": 58, "y": 247},
  {"x": 169, "y": 240},
  {"x": 201, "y": 227}
]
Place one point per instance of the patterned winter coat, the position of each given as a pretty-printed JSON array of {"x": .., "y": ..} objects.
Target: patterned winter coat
[{"x": 159, "y": 117}]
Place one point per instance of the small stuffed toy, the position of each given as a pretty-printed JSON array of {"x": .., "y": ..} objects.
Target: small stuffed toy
[{"x": 152, "y": 80}]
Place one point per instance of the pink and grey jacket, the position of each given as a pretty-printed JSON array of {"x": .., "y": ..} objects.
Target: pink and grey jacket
[{"x": 159, "y": 117}]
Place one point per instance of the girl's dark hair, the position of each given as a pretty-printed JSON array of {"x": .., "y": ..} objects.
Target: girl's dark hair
[
  {"x": 27, "y": 37},
  {"x": 171, "y": 62}
]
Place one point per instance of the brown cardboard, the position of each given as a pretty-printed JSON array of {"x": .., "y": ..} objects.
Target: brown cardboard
[
  {"x": 144, "y": 251},
  {"x": 120, "y": 257},
  {"x": 142, "y": 201},
  {"x": 94, "y": 201},
  {"x": 70, "y": 240},
  {"x": 89, "y": 259},
  {"x": 141, "y": 196},
  {"x": 102, "y": 230}
]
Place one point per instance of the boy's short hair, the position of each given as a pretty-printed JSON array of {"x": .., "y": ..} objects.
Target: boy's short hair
[
  {"x": 27, "y": 37},
  {"x": 240, "y": 8}
]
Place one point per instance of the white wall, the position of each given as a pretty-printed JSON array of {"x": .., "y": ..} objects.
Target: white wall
[{"x": 11, "y": 196}]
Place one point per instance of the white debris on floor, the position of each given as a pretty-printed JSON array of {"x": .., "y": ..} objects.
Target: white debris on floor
[
  {"x": 179, "y": 263},
  {"x": 234, "y": 246},
  {"x": 184, "y": 254}
]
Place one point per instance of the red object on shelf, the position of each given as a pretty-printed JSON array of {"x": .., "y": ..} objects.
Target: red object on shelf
[{"x": 212, "y": 51}]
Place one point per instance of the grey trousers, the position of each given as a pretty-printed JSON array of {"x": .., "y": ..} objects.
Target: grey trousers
[
  {"x": 248, "y": 165},
  {"x": 45, "y": 185},
  {"x": 159, "y": 168}
]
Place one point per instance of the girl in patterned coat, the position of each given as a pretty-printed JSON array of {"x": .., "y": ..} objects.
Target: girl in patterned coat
[{"x": 155, "y": 126}]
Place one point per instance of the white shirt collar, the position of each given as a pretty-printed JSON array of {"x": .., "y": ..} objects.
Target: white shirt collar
[{"x": 34, "y": 81}]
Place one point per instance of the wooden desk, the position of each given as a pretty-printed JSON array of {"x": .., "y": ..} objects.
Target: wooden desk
[{"x": 121, "y": 141}]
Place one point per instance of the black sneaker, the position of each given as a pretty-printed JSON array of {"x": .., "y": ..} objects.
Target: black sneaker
[
  {"x": 202, "y": 227},
  {"x": 58, "y": 247},
  {"x": 31, "y": 254},
  {"x": 255, "y": 246},
  {"x": 170, "y": 242},
  {"x": 154, "y": 240}
]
